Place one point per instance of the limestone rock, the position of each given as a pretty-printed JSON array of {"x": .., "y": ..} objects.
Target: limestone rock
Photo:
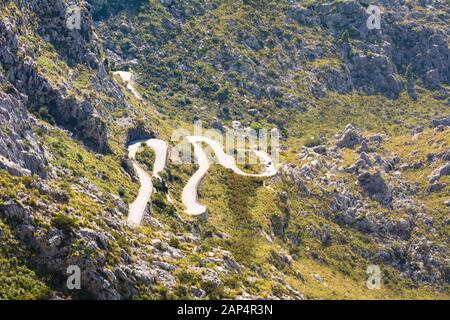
[
  {"x": 349, "y": 138},
  {"x": 439, "y": 172},
  {"x": 376, "y": 187}
]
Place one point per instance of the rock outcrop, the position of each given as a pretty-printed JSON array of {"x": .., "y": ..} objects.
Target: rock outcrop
[
  {"x": 349, "y": 138},
  {"x": 394, "y": 220},
  {"x": 21, "y": 151},
  {"x": 439, "y": 173},
  {"x": 81, "y": 115},
  {"x": 376, "y": 187},
  {"x": 376, "y": 59}
]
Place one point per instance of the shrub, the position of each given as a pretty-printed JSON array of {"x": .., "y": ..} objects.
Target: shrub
[
  {"x": 174, "y": 242},
  {"x": 223, "y": 95},
  {"x": 64, "y": 222},
  {"x": 147, "y": 157},
  {"x": 312, "y": 142},
  {"x": 256, "y": 126},
  {"x": 188, "y": 277}
]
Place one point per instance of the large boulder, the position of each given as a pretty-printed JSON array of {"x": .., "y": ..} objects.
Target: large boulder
[
  {"x": 349, "y": 138},
  {"x": 376, "y": 187}
]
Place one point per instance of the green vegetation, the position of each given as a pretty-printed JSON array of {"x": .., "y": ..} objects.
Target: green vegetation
[
  {"x": 215, "y": 65},
  {"x": 17, "y": 282},
  {"x": 64, "y": 222},
  {"x": 312, "y": 142},
  {"x": 104, "y": 171},
  {"x": 146, "y": 156}
]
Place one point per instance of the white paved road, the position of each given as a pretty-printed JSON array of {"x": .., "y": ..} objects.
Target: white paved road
[
  {"x": 160, "y": 147},
  {"x": 190, "y": 191},
  {"x": 127, "y": 77}
]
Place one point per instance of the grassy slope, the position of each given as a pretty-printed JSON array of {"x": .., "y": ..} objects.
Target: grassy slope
[
  {"x": 237, "y": 206},
  {"x": 245, "y": 211},
  {"x": 241, "y": 207}
]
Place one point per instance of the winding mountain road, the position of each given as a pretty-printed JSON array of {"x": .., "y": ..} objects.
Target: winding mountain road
[
  {"x": 127, "y": 77},
  {"x": 190, "y": 191},
  {"x": 160, "y": 147}
]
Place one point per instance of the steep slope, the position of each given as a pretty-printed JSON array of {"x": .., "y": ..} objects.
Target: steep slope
[
  {"x": 268, "y": 63},
  {"x": 375, "y": 192}
]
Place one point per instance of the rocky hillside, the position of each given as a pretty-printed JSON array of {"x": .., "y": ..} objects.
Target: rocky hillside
[{"x": 365, "y": 157}]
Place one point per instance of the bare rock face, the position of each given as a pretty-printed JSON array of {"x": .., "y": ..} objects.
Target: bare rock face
[
  {"x": 78, "y": 115},
  {"x": 375, "y": 74},
  {"x": 77, "y": 46},
  {"x": 12, "y": 168},
  {"x": 20, "y": 152},
  {"x": 375, "y": 59},
  {"x": 436, "y": 187},
  {"x": 127, "y": 165},
  {"x": 376, "y": 187},
  {"x": 139, "y": 133}
]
